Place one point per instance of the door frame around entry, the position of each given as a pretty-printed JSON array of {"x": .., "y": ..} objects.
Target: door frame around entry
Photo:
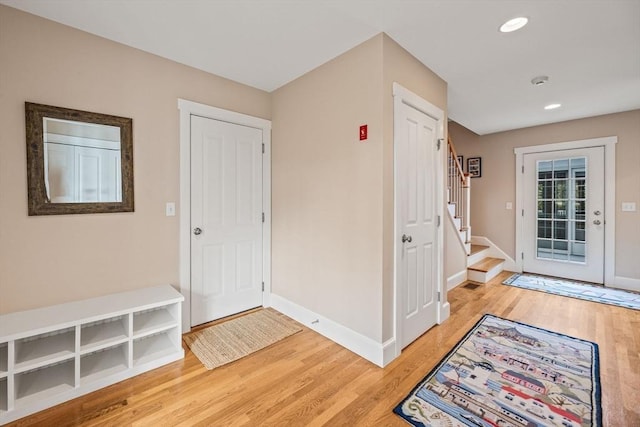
[
  {"x": 401, "y": 96},
  {"x": 188, "y": 109},
  {"x": 609, "y": 144}
]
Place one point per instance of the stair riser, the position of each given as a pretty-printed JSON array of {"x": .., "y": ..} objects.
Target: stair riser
[
  {"x": 472, "y": 259},
  {"x": 484, "y": 277}
]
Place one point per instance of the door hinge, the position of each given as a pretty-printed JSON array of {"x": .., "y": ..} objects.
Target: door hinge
[
  {"x": 438, "y": 296},
  {"x": 262, "y": 286},
  {"x": 440, "y": 141},
  {"x": 438, "y": 220},
  {"x": 521, "y": 255},
  {"x": 263, "y": 148},
  {"x": 522, "y": 212},
  {"x": 262, "y": 216},
  {"x": 522, "y": 168}
]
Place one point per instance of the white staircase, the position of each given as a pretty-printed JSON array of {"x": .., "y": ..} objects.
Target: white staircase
[
  {"x": 463, "y": 233},
  {"x": 481, "y": 267},
  {"x": 459, "y": 197}
]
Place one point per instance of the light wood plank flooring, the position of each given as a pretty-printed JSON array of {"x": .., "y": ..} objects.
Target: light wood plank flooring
[{"x": 306, "y": 380}]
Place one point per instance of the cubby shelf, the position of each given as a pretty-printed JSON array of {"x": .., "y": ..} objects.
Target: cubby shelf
[
  {"x": 152, "y": 321},
  {"x": 54, "y": 354},
  {"x": 45, "y": 349},
  {"x": 4, "y": 361},
  {"x": 103, "y": 363},
  {"x": 99, "y": 335}
]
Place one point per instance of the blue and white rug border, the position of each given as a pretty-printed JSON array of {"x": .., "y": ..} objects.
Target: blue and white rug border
[
  {"x": 595, "y": 369},
  {"x": 515, "y": 276}
]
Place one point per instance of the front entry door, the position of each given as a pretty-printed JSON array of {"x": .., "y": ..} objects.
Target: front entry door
[
  {"x": 417, "y": 169},
  {"x": 226, "y": 219},
  {"x": 563, "y": 215}
]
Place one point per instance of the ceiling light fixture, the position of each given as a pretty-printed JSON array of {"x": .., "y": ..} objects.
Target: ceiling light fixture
[
  {"x": 540, "y": 80},
  {"x": 513, "y": 24},
  {"x": 552, "y": 106}
]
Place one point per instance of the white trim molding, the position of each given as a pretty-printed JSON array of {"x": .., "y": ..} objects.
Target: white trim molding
[
  {"x": 495, "y": 252},
  {"x": 609, "y": 144},
  {"x": 626, "y": 283},
  {"x": 402, "y": 95},
  {"x": 377, "y": 353},
  {"x": 457, "y": 279},
  {"x": 188, "y": 109}
]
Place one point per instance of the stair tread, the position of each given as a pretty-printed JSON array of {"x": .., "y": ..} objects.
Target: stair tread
[
  {"x": 486, "y": 264},
  {"x": 477, "y": 248}
]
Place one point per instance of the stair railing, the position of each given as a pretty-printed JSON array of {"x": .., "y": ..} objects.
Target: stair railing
[{"x": 459, "y": 190}]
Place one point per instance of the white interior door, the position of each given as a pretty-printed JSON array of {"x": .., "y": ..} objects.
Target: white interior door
[
  {"x": 417, "y": 228},
  {"x": 226, "y": 219},
  {"x": 563, "y": 216}
]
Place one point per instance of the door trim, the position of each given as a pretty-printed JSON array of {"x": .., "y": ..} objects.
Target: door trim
[
  {"x": 187, "y": 109},
  {"x": 609, "y": 144},
  {"x": 402, "y": 96}
]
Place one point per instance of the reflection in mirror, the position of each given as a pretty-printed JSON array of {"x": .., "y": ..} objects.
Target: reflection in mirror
[
  {"x": 81, "y": 162},
  {"x": 77, "y": 161}
]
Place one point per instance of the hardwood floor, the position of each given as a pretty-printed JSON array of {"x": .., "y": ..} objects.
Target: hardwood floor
[{"x": 307, "y": 380}]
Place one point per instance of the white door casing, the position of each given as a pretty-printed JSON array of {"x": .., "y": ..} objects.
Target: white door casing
[
  {"x": 187, "y": 110},
  {"x": 418, "y": 164},
  {"x": 226, "y": 219},
  {"x": 563, "y": 214},
  {"x": 608, "y": 216}
]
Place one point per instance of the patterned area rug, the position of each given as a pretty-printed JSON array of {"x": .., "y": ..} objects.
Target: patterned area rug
[
  {"x": 505, "y": 373},
  {"x": 225, "y": 342},
  {"x": 572, "y": 289}
]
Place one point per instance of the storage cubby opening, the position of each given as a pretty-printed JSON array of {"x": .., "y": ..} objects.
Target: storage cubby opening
[
  {"x": 3, "y": 395},
  {"x": 103, "y": 363},
  {"x": 154, "y": 346},
  {"x": 42, "y": 382},
  {"x": 151, "y": 321},
  {"x": 4, "y": 358},
  {"x": 103, "y": 332},
  {"x": 41, "y": 347}
]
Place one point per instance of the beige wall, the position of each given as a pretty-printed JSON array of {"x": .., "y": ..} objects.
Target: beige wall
[
  {"x": 332, "y": 194},
  {"x": 52, "y": 259},
  {"x": 497, "y": 185},
  {"x": 327, "y": 190}
]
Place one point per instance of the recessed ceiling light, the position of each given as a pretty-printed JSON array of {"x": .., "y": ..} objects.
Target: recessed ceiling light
[
  {"x": 514, "y": 24},
  {"x": 540, "y": 80},
  {"x": 552, "y": 106}
]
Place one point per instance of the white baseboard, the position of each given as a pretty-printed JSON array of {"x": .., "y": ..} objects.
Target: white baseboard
[
  {"x": 496, "y": 252},
  {"x": 444, "y": 312},
  {"x": 377, "y": 353},
  {"x": 456, "y": 279},
  {"x": 627, "y": 283}
]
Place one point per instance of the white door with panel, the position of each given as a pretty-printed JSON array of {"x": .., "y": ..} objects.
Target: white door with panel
[
  {"x": 226, "y": 219},
  {"x": 563, "y": 216},
  {"x": 417, "y": 228}
]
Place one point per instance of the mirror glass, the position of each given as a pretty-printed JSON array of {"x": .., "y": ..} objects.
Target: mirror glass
[
  {"x": 81, "y": 162},
  {"x": 77, "y": 161}
]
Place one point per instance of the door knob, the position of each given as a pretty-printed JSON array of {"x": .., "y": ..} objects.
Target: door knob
[
  {"x": 406, "y": 238},
  {"x": 197, "y": 231},
  {"x": 597, "y": 222},
  {"x": 596, "y": 212}
]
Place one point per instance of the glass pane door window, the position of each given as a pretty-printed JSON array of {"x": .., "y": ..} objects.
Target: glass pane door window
[{"x": 561, "y": 209}]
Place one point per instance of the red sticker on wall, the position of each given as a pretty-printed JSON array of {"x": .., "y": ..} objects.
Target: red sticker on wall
[{"x": 363, "y": 132}]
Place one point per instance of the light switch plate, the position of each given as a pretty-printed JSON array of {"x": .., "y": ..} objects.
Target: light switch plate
[
  {"x": 508, "y": 206},
  {"x": 628, "y": 206},
  {"x": 170, "y": 209}
]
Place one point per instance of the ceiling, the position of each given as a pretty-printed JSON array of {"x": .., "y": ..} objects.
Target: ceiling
[{"x": 590, "y": 49}]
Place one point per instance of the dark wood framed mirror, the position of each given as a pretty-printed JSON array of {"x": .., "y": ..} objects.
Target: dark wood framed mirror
[{"x": 78, "y": 162}]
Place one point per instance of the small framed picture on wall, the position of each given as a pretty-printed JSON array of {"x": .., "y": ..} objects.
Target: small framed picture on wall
[{"x": 474, "y": 167}]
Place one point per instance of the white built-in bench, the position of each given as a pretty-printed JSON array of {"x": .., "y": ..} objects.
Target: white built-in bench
[{"x": 53, "y": 354}]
